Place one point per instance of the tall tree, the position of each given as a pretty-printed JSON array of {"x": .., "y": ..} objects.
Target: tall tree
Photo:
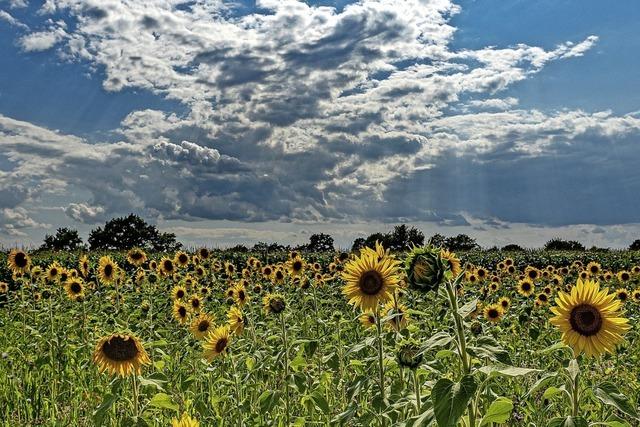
[
  {"x": 320, "y": 242},
  {"x": 65, "y": 239},
  {"x": 131, "y": 231}
]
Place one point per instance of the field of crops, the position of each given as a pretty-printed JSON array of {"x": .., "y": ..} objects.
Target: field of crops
[{"x": 373, "y": 338}]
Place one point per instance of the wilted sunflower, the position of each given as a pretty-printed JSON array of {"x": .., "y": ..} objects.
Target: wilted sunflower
[
  {"x": 181, "y": 259},
  {"x": 185, "y": 421},
  {"x": 493, "y": 313},
  {"x": 525, "y": 287},
  {"x": 622, "y": 294},
  {"x": 589, "y": 319},
  {"x": 201, "y": 325},
  {"x": 19, "y": 261},
  {"x": 107, "y": 269},
  {"x": 180, "y": 312},
  {"x": 273, "y": 303},
  {"x": 236, "y": 320},
  {"x": 370, "y": 280},
  {"x": 74, "y": 288},
  {"x": 120, "y": 354},
  {"x": 216, "y": 342},
  {"x": 368, "y": 319},
  {"x": 136, "y": 257}
]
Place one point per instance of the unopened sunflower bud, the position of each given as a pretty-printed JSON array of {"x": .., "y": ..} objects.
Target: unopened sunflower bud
[
  {"x": 408, "y": 353},
  {"x": 425, "y": 269}
]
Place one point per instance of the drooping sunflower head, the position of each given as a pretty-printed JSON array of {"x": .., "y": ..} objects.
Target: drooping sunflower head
[
  {"x": 201, "y": 325},
  {"x": 136, "y": 256},
  {"x": 184, "y": 421},
  {"x": 408, "y": 353},
  {"x": 493, "y": 313},
  {"x": 19, "y": 261},
  {"x": 74, "y": 287},
  {"x": 236, "y": 320},
  {"x": 120, "y": 354},
  {"x": 425, "y": 268},
  {"x": 273, "y": 303},
  {"x": 370, "y": 280},
  {"x": 589, "y": 319},
  {"x": 216, "y": 343},
  {"x": 107, "y": 269}
]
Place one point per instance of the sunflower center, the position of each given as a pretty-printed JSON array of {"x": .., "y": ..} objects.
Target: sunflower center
[
  {"x": 221, "y": 345},
  {"x": 76, "y": 288},
  {"x": 526, "y": 287},
  {"x": 108, "y": 270},
  {"x": 21, "y": 259},
  {"x": 297, "y": 266},
  {"x": 120, "y": 349},
  {"x": 180, "y": 293},
  {"x": 586, "y": 320},
  {"x": 203, "y": 326},
  {"x": 182, "y": 311},
  {"x": 195, "y": 303},
  {"x": 371, "y": 282},
  {"x": 493, "y": 313}
]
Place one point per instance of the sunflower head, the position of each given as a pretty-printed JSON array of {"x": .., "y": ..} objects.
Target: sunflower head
[
  {"x": 19, "y": 261},
  {"x": 589, "y": 319},
  {"x": 180, "y": 312},
  {"x": 274, "y": 303},
  {"x": 397, "y": 315},
  {"x": 623, "y": 276},
  {"x": 216, "y": 343},
  {"x": 367, "y": 319},
  {"x": 525, "y": 287},
  {"x": 4, "y": 288},
  {"x": 107, "y": 270},
  {"x": 120, "y": 354},
  {"x": 236, "y": 320},
  {"x": 370, "y": 280},
  {"x": 425, "y": 268},
  {"x": 493, "y": 313},
  {"x": 185, "y": 421},
  {"x": 201, "y": 325},
  {"x": 181, "y": 259},
  {"x": 622, "y": 294},
  {"x": 74, "y": 288},
  {"x": 408, "y": 353},
  {"x": 136, "y": 256},
  {"x": 296, "y": 266}
]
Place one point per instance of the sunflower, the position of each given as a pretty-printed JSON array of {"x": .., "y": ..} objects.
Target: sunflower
[
  {"x": 167, "y": 268},
  {"x": 257, "y": 288},
  {"x": 526, "y": 287},
  {"x": 236, "y": 320},
  {"x": 593, "y": 268},
  {"x": 36, "y": 272},
  {"x": 542, "y": 299},
  {"x": 53, "y": 272},
  {"x": 623, "y": 276},
  {"x": 452, "y": 259},
  {"x": 267, "y": 271},
  {"x": 273, "y": 303},
  {"x": 107, "y": 269},
  {"x": 622, "y": 294},
  {"x": 216, "y": 342},
  {"x": 342, "y": 257},
  {"x": 136, "y": 257},
  {"x": 504, "y": 302},
  {"x": 583, "y": 275},
  {"x": 19, "y": 261},
  {"x": 185, "y": 421},
  {"x": 296, "y": 266},
  {"x": 240, "y": 294},
  {"x": 4, "y": 288},
  {"x": 153, "y": 264},
  {"x": 511, "y": 269},
  {"x": 607, "y": 276},
  {"x": 195, "y": 303},
  {"x": 83, "y": 265},
  {"x": 230, "y": 268},
  {"x": 180, "y": 312},
  {"x": 178, "y": 292},
  {"x": 532, "y": 273},
  {"x": 278, "y": 276},
  {"x": 201, "y": 325},
  {"x": 74, "y": 288},
  {"x": 181, "y": 259},
  {"x": 370, "y": 280},
  {"x": 635, "y": 294},
  {"x": 589, "y": 319},
  {"x": 368, "y": 319},
  {"x": 120, "y": 354},
  {"x": 398, "y": 316},
  {"x": 493, "y": 313}
]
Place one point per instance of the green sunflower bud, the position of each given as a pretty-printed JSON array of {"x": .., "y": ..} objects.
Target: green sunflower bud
[
  {"x": 408, "y": 353},
  {"x": 425, "y": 269}
]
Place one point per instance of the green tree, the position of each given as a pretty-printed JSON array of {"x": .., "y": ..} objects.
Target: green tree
[
  {"x": 65, "y": 239},
  {"x": 131, "y": 231}
]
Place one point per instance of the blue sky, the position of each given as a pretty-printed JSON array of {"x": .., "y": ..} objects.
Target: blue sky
[{"x": 234, "y": 122}]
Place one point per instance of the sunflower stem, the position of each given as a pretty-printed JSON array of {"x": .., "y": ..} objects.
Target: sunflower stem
[
  {"x": 286, "y": 367},
  {"x": 416, "y": 385},
  {"x": 135, "y": 395},
  {"x": 380, "y": 353}
]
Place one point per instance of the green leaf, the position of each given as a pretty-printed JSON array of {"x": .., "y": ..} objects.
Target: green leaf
[
  {"x": 268, "y": 400},
  {"x": 468, "y": 308},
  {"x": 423, "y": 420},
  {"x": 568, "y": 422},
  {"x": 320, "y": 402},
  {"x": 488, "y": 347},
  {"x": 450, "y": 399},
  {"x": 557, "y": 346},
  {"x": 437, "y": 340},
  {"x": 541, "y": 383},
  {"x": 101, "y": 411},
  {"x": 573, "y": 369},
  {"x": 609, "y": 394},
  {"x": 552, "y": 391},
  {"x": 163, "y": 400},
  {"x": 499, "y": 411},
  {"x": 508, "y": 371}
]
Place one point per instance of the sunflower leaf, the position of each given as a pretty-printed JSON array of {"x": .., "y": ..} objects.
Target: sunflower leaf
[
  {"x": 499, "y": 411},
  {"x": 609, "y": 394},
  {"x": 568, "y": 422},
  {"x": 450, "y": 399}
]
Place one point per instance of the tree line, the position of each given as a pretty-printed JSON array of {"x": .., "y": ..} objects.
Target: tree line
[{"x": 131, "y": 231}]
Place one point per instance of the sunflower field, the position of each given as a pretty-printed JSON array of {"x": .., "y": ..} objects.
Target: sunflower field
[{"x": 372, "y": 338}]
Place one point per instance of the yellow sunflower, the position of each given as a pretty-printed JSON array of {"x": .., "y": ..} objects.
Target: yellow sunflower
[
  {"x": 526, "y": 287},
  {"x": 370, "y": 280},
  {"x": 452, "y": 259},
  {"x": 185, "y": 421},
  {"x": 180, "y": 312},
  {"x": 236, "y": 320},
  {"x": 623, "y": 276},
  {"x": 107, "y": 269},
  {"x": 19, "y": 261},
  {"x": 622, "y": 294},
  {"x": 368, "y": 319},
  {"x": 504, "y": 302},
  {"x": 83, "y": 265},
  {"x": 398, "y": 315},
  {"x": 593, "y": 268},
  {"x": 296, "y": 266},
  {"x": 195, "y": 303},
  {"x": 74, "y": 288},
  {"x": 493, "y": 313},
  {"x": 136, "y": 257},
  {"x": 181, "y": 259},
  {"x": 240, "y": 294},
  {"x": 542, "y": 299},
  {"x": 166, "y": 266},
  {"x": 4, "y": 288},
  {"x": 178, "y": 292},
  {"x": 53, "y": 272},
  {"x": 120, "y": 354},
  {"x": 589, "y": 319},
  {"x": 216, "y": 342},
  {"x": 201, "y": 325}
]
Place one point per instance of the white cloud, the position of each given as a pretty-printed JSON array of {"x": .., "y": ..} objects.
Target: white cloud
[
  {"x": 42, "y": 40},
  {"x": 5, "y": 16}
]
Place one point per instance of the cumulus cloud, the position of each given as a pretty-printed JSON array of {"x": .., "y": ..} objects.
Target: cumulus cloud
[
  {"x": 6, "y": 16},
  {"x": 42, "y": 40},
  {"x": 84, "y": 213}
]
